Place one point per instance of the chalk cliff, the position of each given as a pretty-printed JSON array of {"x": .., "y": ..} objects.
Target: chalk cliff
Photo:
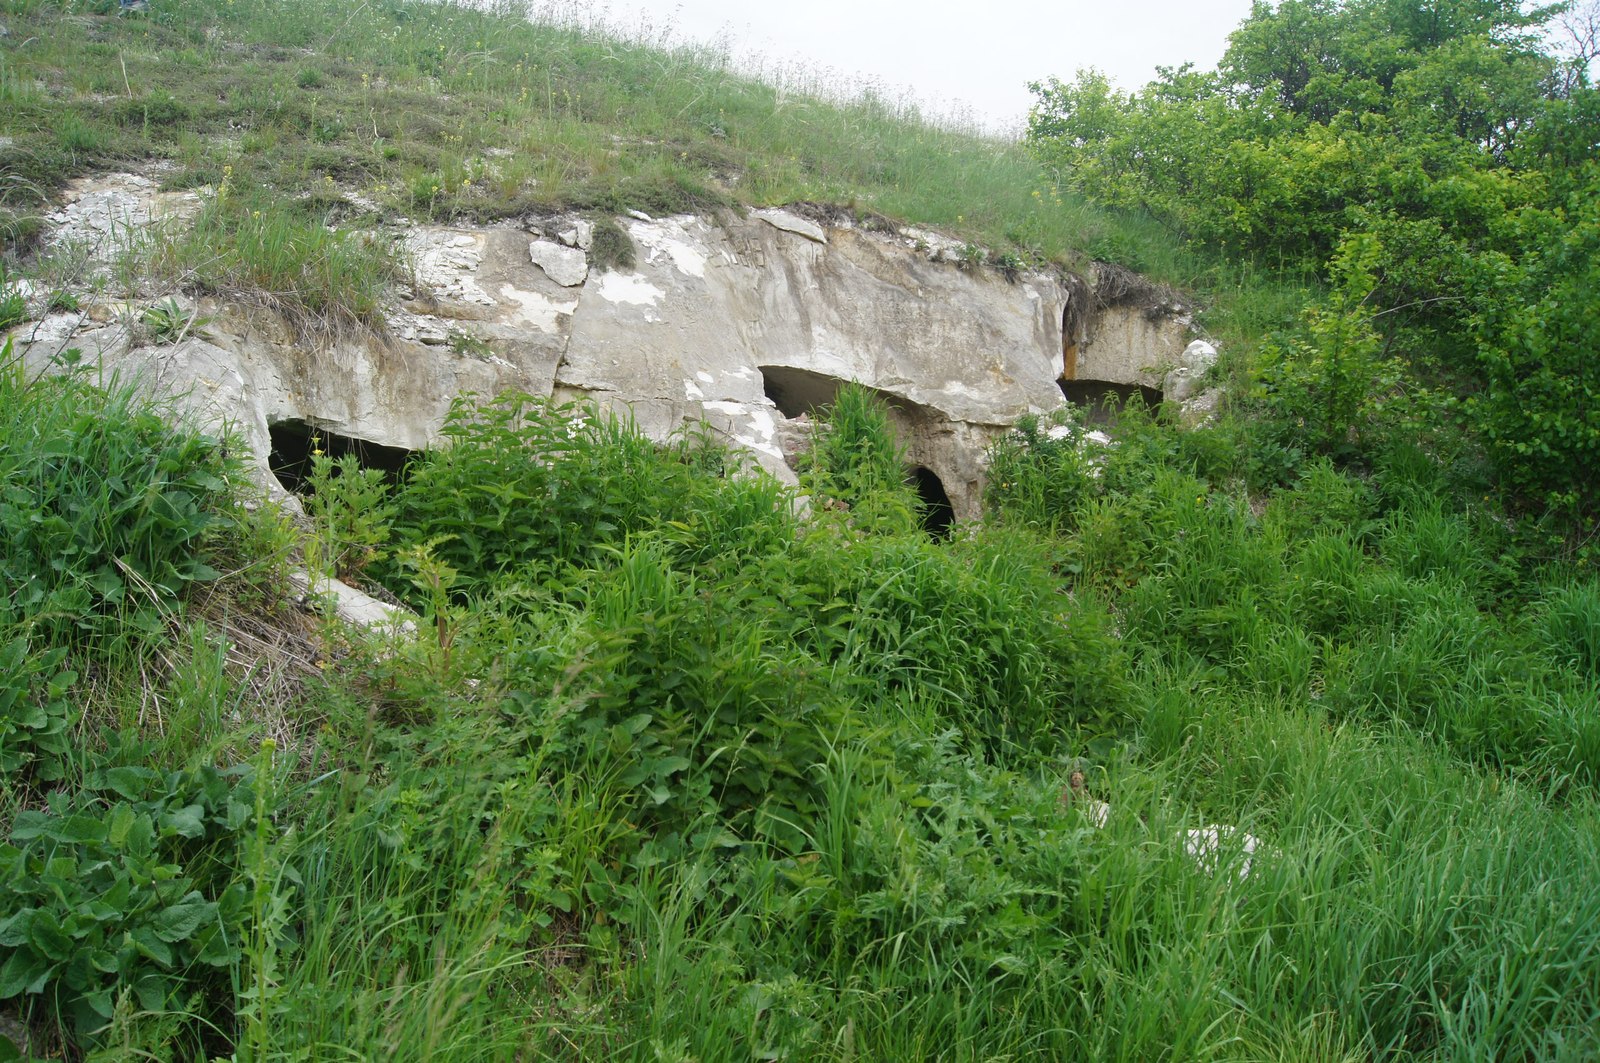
[{"x": 743, "y": 321}]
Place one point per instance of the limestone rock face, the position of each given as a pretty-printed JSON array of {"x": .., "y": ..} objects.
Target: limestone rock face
[
  {"x": 1131, "y": 345},
  {"x": 744, "y": 323}
]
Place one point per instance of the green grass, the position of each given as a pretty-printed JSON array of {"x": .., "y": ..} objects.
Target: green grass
[
  {"x": 448, "y": 112},
  {"x": 670, "y": 772}
]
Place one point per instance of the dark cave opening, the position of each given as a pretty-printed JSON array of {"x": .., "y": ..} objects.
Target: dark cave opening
[
  {"x": 938, "y": 515},
  {"x": 294, "y": 441},
  {"x": 799, "y": 391},
  {"x": 1102, "y": 400}
]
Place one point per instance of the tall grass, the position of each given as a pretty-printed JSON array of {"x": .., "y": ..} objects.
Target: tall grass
[
  {"x": 670, "y": 771},
  {"x": 484, "y": 112}
]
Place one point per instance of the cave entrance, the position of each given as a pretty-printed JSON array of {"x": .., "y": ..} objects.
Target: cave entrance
[
  {"x": 800, "y": 391},
  {"x": 293, "y": 442},
  {"x": 937, "y": 513},
  {"x": 921, "y": 430},
  {"x": 1101, "y": 400}
]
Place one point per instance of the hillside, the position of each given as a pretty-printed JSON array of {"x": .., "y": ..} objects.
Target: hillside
[{"x": 1273, "y": 736}]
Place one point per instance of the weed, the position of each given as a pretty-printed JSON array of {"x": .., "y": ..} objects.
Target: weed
[
  {"x": 13, "y": 304},
  {"x": 62, "y": 302},
  {"x": 612, "y": 248},
  {"x": 350, "y": 512},
  {"x": 168, "y": 322},
  {"x": 159, "y": 849},
  {"x": 1009, "y": 265},
  {"x": 277, "y": 256},
  {"x": 469, "y": 346},
  {"x": 99, "y": 535}
]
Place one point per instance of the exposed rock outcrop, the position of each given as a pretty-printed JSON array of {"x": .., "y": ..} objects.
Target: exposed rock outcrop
[{"x": 743, "y": 322}]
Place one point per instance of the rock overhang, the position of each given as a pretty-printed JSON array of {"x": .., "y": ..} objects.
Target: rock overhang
[{"x": 684, "y": 335}]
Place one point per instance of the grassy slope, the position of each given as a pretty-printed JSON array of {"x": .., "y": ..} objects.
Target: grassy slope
[
  {"x": 670, "y": 775},
  {"x": 449, "y": 112}
]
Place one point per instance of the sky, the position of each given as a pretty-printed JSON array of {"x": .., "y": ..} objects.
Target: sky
[{"x": 975, "y": 56}]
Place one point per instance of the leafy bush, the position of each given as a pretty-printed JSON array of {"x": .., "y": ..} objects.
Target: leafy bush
[
  {"x": 35, "y": 713},
  {"x": 1041, "y": 473},
  {"x": 524, "y": 480},
  {"x": 856, "y": 462},
  {"x": 102, "y": 504},
  {"x": 707, "y": 715},
  {"x": 1536, "y": 328},
  {"x": 350, "y": 510},
  {"x": 980, "y": 631},
  {"x": 126, "y": 887}
]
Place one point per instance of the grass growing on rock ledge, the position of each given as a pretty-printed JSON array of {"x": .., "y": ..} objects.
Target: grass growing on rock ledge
[
  {"x": 331, "y": 111},
  {"x": 670, "y": 772}
]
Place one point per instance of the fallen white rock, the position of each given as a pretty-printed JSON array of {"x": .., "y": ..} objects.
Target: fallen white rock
[
  {"x": 1212, "y": 845},
  {"x": 354, "y": 607},
  {"x": 1182, "y": 381},
  {"x": 567, "y": 266}
]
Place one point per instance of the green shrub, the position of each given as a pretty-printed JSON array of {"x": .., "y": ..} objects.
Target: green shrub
[
  {"x": 102, "y": 504},
  {"x": 1041, "y": 473},
  {"x": 704, "y": 711},
  {"x": 127, "y": 887},
  {"x": 856, "y": 463},
  {"x": 980, "y": 631},
  {"x": 351, "y": 511},
  {"x": 36, "y": 715},
  {"x": 524, "y": 480},
  {"x": 1323, "y": 499},
  {"x": 611, "y": 247}
]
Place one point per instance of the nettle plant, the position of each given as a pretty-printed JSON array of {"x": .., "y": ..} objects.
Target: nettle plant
[
  {"x": 36, "y": 715},
  {"x": 351, "y": 512},
  {"x": 102, "y": 504},
  {"x": 126, "y": 887}
]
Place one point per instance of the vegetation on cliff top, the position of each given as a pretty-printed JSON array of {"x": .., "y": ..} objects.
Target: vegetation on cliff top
[
  {"x": 1437, "y": 164},
  {"x": 670, "y": 772},
  {"x": 477, "y": 112}
]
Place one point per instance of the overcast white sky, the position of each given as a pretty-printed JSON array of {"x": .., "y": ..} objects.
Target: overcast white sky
[{"x": 979, "y": 53}]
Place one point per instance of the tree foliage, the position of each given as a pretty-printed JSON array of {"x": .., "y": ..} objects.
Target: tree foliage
[{"x": 1445, "y": 143}]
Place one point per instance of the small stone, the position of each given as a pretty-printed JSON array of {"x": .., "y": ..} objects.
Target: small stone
[
  {"x": 567, "y": 266},
  {"x": 106, "y": 313},
  {"x": 639, "y": 215},
  {"x": 579, "y": 235},
  {"x": 432, "y": 335}
]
